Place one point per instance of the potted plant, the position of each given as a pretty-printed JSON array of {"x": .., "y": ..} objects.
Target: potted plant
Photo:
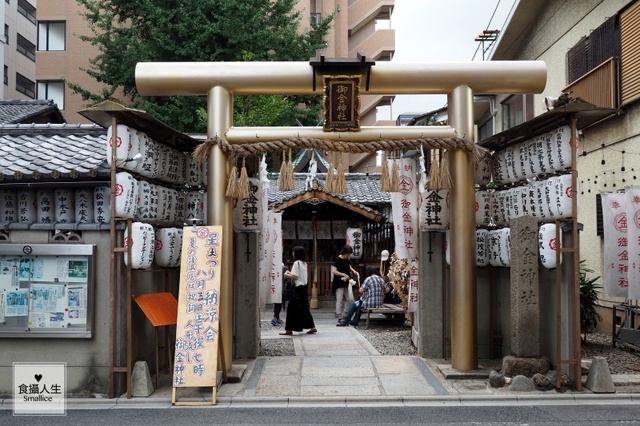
[{"x": 589, "y": 290}]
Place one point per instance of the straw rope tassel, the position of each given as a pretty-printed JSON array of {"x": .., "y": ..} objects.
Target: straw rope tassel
[
  {"x": 232, "y": 188},
  {"x": 393, "y": 179},
  {"x": 243, "y": 183},
  {"x": 445, "y": 177},
  {"x": 384, "y": 175},
  {"x": 434, "y": 172},
  {"x": 328, "y": 184},
  {"x": 291, "y": 176},
  {"x": 341, "y": 180}
]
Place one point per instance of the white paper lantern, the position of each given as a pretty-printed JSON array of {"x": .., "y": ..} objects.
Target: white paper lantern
[
  {"x": 433, "y": 213},
  {"x": 524, "y": 200},
  {"x": 354, "y": 239},
  {"x": 533, "y": 168},
  {"x": 548, "y": 245},
  {"x": 542, "y": 155},
  {"x": 562, "y": 142},
  {"x": 145, "y": 166},
  {"x": 515, "y": 204},
  {"x": 143, "y": 211},
  {"x": 102, "y": 204},
  {"x": 483, "y": 208},
  {"x": 46, "y": 206},
  {"x": 493, "y": 239},
  {"x": 194, "y": 206},
  {"x": 178, "y": 208},
  {"x": 482, "y": 247},
  {"x": 65, "y": 205},
  {"x": 194, "y": 171},
  {"x": 541, "y": 205},
  {"x": 163, "y": 193},
  {"x": 500, "y": 213},
  {"x": 153, "y": 201},
  {"x": 551, "y": 151},
  {"x": 550, "y": 197},
  {"x": 27, "y": 206},
  {"x": 522, "y": 154},
  {"x": 84, "y": 205},
  {"x": 142, "y": 244},
  {"x": 497, "y": 166},
  {"x": 483, "y": 171},
  {"x": 564, "y": 196},
  {"x": 162, "y": 169},
  {"x": 154, "y": 158},
  {"x": 510, "y": 164},
  {"x": 168, "y": 247},
  {"x": 124, "y": 144},
  {"x": 8, "y": 206},
  {"x": 126, "y": 195},
  {"x": 504, "y": 247},
  {"x": 171, "y": 202}
]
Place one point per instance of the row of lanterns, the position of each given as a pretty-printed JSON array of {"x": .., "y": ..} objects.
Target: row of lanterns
[
  {"x": 148, "y": 245},
  {"x": 138, "y": 153},
  {"x": 493, "y": 247},
  {"x": 545, "y": 154},
  {"x": 134, "y": 199},
  {"x": 544, "y": 199}
]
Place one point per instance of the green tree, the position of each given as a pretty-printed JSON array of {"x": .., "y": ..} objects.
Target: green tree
[{"x": 131, "y": 31}]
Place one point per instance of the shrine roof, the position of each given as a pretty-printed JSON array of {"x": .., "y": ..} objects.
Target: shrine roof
[
  {"x": 14, "y": 111},
  {"x": 31, "y": 153}
]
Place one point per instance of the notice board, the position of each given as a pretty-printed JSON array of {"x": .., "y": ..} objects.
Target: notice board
[{"x": 197, "y": 341}]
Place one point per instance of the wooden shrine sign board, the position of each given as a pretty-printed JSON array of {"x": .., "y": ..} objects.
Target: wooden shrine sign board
[{"x": 197, "y": 342}]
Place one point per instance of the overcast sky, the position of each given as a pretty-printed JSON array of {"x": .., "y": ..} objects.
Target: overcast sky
[{"x": 440, "y": 30}]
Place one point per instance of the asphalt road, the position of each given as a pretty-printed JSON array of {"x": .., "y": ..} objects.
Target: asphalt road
[{"x": 584, "y": 414}]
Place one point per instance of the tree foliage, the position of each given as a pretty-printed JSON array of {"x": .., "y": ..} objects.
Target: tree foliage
[{"x": 130, "y": 31}]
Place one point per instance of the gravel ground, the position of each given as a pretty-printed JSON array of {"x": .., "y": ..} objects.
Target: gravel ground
[{"x": 396, "y": 340}]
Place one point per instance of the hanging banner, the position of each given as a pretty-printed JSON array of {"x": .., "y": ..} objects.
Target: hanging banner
[
  {"x": 633, "y": 214},
  {"x": 616, "y": 255},
  {"x": 414, "y": 283},
  {"x": 274, "y": 263},
  {"x": 247, "y": 212},
  {"x": 263, "y": 271},
  {"x": 434, "y": 210},
  {"x": 196, "y": 347},
  {"x": 405, "y": 210},
  {"x": 354, "y": 239}
]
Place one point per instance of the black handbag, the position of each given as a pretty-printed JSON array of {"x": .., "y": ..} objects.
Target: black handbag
[{"x": 290, "y": 293}]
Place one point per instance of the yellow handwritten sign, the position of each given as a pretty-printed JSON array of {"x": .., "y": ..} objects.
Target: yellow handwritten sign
[{"x": 196, "y": 349}]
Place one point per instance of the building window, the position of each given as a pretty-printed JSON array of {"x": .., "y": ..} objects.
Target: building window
[
  {"x": 25, "y": 47},
  {"x": 26, "y": 86},
  {"x": 53, "y": 90},
  {"x": 51, "y": 35},
  {"x": 6, "y": 75},
  {"x": 516, "y": 109},
  {"x": 27, "y": 10},
  {"x": 6, "y": 34}
]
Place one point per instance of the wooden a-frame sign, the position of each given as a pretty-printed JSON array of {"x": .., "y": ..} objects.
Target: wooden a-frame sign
[{"x": 197, "y": 339}]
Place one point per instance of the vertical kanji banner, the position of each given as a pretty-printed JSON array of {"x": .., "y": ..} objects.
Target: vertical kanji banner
[
  {"x": 405, "y": 209},
  {"x": 633, "y": 228},
  {"x": 247, "y": 212},
  {"x": 614, "y": 219},
  {"x": 414, "y": 283},
  {"x": 274, "y": 248},
  {"x": 196, "y": 348}
]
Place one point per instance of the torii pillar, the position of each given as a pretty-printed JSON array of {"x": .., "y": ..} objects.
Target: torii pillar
[{"x": 220, "y": 81}]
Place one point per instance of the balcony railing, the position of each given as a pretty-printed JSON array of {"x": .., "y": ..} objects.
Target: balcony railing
[{"x": 600, "y": 86}]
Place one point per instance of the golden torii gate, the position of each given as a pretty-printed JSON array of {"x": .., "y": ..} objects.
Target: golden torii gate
[{"x": 220, "y": 81}]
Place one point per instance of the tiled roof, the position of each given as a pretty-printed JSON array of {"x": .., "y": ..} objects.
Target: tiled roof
[
  {"x": 362, "y": 188},
  {"x": 52, "y": 152},
  {"x": 29, "y": 111}
]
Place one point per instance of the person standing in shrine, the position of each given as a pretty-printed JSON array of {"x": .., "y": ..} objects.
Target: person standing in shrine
[{"x": 341, "y": 271}]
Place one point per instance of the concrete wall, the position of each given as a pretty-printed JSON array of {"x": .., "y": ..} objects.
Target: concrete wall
[{"x": 88, "y": 359}]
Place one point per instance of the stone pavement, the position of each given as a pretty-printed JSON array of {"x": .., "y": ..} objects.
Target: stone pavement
[{"x": 338, "y": 366}]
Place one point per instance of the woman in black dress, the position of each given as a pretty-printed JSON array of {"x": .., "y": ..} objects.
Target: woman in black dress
[{"x": 298, "y": 312}]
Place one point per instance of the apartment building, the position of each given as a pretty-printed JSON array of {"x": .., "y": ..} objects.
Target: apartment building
[{"x": 18, "y": 49}]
